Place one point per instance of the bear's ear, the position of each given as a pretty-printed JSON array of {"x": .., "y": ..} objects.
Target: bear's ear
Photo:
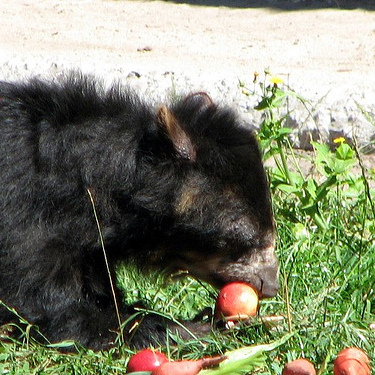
[{"x": 170, "y": 126}]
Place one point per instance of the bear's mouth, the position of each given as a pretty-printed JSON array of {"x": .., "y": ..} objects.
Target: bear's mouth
[{"x": 259, "y": 269}]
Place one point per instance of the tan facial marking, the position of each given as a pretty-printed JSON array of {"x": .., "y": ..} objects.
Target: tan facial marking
[
  {"x": 181, "y": 141},
  {"x": 186, "y": 199}
]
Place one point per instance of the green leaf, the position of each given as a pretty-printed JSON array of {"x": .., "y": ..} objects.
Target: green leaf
[
  {"x": 241, "y": 361},
  {"x": 289, "y": 189},
  {"x": 345, "y": 152},
  {"x": 263, "y": 104},
  {"x": 311, "y": 188}
]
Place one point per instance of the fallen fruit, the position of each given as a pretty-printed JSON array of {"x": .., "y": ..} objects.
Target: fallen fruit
[
  {"x": 187, "y": 367},
  {"x": 146, "y": 360},
  {"x": 236, "y": 301},
  {"x": 299, "y": 366},
  {"x": 352, "y": 353},
  {"x": 352, "y": 361}
]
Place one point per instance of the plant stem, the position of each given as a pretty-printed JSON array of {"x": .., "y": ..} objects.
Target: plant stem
[{"x": 284, "y": 162}]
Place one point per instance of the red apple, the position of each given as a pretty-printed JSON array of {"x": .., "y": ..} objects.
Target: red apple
[
  {"x": 299, "y": 366},
  {"x": 146, "y": 360},
  {"x": 352, "y": 361},
  {"x": 237, "y": 300}
]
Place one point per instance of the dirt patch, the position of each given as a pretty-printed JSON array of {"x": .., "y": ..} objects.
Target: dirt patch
[{"x": 314, "y": 48}]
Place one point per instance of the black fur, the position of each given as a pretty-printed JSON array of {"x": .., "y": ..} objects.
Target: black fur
[{"x": 179, "y": 187}]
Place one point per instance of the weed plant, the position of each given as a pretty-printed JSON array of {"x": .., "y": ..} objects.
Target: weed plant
[{"x": 326, "y": 228}]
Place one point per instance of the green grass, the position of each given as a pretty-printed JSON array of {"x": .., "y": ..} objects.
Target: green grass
[{"x": 326, "y": 247}]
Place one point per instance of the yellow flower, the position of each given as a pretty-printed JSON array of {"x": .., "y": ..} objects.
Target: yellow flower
[
  {"x": 339, "y": 140},
  {"x": 276, "y": 80}
]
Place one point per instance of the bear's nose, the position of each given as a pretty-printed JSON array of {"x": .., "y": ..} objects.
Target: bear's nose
[{"x": 269, "y": 281}]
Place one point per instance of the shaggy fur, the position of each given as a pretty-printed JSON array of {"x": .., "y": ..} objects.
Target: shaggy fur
[{"x": 178, "y": 187}]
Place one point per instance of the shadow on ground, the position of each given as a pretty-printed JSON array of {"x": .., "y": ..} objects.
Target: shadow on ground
[{"x": 284, "y": 4}]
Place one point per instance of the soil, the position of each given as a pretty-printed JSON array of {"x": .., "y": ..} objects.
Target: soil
[{"x": 314, "y": 43}]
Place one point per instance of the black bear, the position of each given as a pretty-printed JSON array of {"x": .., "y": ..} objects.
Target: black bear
[{"x": 177, "y": 186}]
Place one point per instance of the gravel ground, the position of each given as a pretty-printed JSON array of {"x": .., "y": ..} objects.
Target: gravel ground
[{"x": 324, "y": 50}]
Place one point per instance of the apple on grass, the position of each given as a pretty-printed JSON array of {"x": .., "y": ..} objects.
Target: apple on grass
[
  {"x": 146, "y": 360},
  {"x": 236, "y": 301}
]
